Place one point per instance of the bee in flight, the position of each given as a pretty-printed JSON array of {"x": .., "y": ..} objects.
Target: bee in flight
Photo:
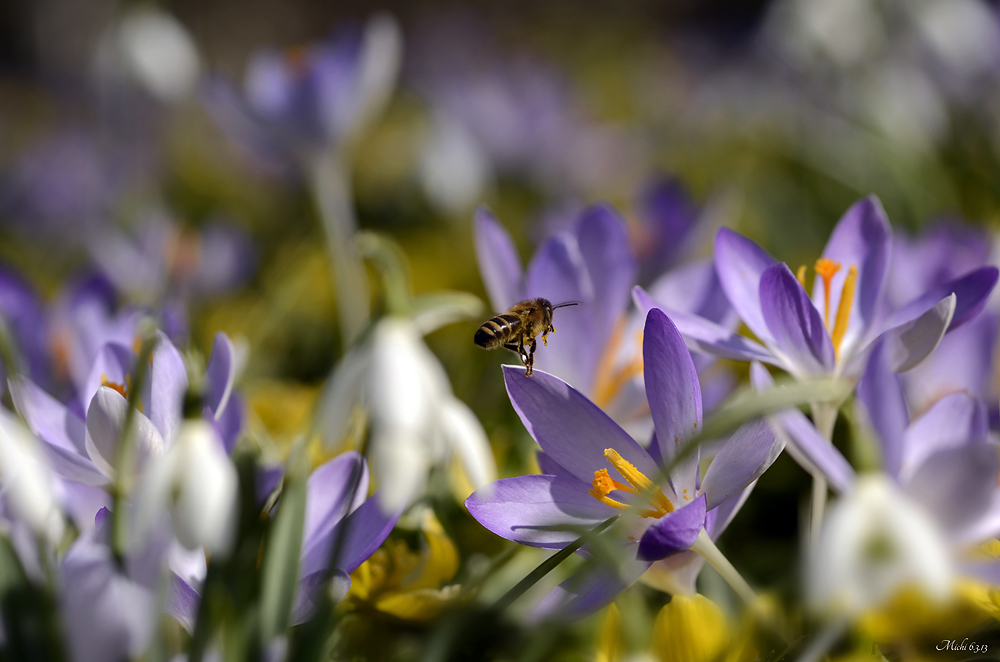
[{"x": 517, "y": 329}]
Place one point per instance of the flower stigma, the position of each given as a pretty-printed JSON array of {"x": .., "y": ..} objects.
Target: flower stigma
[
  {"x": 826, "y": 269},
  {"x": 604, "y": 484}
]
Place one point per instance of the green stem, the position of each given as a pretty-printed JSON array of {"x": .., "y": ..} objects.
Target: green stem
[
  {"x": 330, "y": 181},
  {"x": 825, "y": 417},
  {"x": 547, "y": 566},
  {"x": 705, "y": 547}
]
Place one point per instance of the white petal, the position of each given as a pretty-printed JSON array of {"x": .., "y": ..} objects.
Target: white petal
[
  {"x": 466, "y": 436},
  {"x": 27, "y": 479}
]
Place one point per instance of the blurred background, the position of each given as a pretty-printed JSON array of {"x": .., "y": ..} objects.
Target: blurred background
[{"x": 772, "y": 117}]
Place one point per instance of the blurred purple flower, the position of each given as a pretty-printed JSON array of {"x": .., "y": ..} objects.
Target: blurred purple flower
[
  {"x": 307, "y": 99},
  {"x": 831, "y": 332},
  {"x": 587, "y": 457}
]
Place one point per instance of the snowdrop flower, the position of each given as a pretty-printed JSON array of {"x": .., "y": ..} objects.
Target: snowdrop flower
[
  {"x": 196, "y": 483},
  {"x": 416, "y": 421},
  {"x": 28, "y": 481}
]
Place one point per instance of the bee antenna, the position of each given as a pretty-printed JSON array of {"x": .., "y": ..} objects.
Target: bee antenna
[{"x": 568, "y": 303}]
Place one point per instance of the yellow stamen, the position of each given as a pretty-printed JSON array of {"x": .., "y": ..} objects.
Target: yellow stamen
[
  {"x": 122, "y": 389},
  {"x": 801, "y": 276},
  {"x": 610, "y": 379},
  {"x": 844, "y": 309},
  {"x": 825, "y": 269},
  {"x": 604, "y": 484}
]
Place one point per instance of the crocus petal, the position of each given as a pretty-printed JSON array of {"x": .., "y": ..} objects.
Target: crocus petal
[
  {"x": 550, "y": 467},
  {"x": 604, "y": 245},
  {"x": 219, "y": 374},
  {"x": 329, "y": 494},
  {"x": 749, "y": 452},
  {"x": 182, "y": 602},
  {"x": 309, "y": 591},
  {"x": 911, "y": 342},
  {"x": 986, "y": 525},
  {"x": 971, "y": 290},
  {"x": 106, "y": 424},
  {"x": 364, "y": 531},
  {"x": 718, "y": 519},
  {"x": 705, "y": 336},
  {"x": 695, "y": 288},
  {"x": 47, "y": 417},
  {"x": 675, "y": 574},
  {"x": 862, "y": 239},
  {"x": 805, "y": 444},
  {"x": 114, "y": 361},
  {"x": 589, "y": 590},
  {"x": 674, "y": 532},
  {"x": 741, "y": 263},
  {"x": 167, "y": 384},
  {"x": 569, "y": 427},
  {"x": 880, "y": 392},
  {"x": 673, "y": 392},
  {"x": 957, "y": 484},
  {"x": 955, "y": 420},
  {"x": 795, "y": 324},
  {"x": 499, "y": 263},
  {"x": 539, "y": 510},
  {"x": 558, "y": 273}
]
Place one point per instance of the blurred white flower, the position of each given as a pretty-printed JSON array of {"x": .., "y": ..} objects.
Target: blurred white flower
[
  {"x": 27, "y": 480},
  {"x": 875, "y": 541},
  {"x": 416, "y": 421},
  {"x": 454, "y": 168},
  {"x": 196, "y": 483},
  {"x": 153, "y": 49},
  {"x": 964, "y": 34}
]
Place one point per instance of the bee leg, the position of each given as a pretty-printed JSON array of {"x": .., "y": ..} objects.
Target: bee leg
[
  {"x": 545, "y": 335},
  {"x": 531, "y": 356}
]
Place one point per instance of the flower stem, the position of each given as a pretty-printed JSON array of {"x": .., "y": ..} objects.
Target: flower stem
[
  {"x": 823, "y": 641},
  {"x": 330, "y": 181},
  {"x": 825, "y": 417},
  {"x": 705, "y": 547}
]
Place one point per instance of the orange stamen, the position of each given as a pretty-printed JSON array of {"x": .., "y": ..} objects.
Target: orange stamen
[
  {"x": 604, "y": 484},
  {"x": 825, "y": 269},
  {"x": 610, "y": 379},
  {"x": 844, "y": 309},
  {"x": 122, "y": 389}
]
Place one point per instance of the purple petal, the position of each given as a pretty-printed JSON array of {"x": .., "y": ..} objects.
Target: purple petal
[
  {"x": 673, "y": 393},
  {"x": 674, "y": 532},
  {"x": 957, "y": 419},
  {"x": 230, "y": 424},
  {"x": 667, "y": 213},
  {"x": 880, "y": 392},
  {"x": 329, "y": 495},
  {"x": 558, "y": 273},
  {"x": 695, "y": 288},
  {"x": 749, "y": 452},
  {"x": 266, "y": 480},
  {"x": 986, "y": 571},
  {"x": 741, "y": 263},
  {"x": 47, "y": 417},
  {"x": 971, "y": 291},
  {"x": 168, "y": 382},
  {"x": 309, "y": 591},
  {"x": 569, "y": 427},
  {"x": 364, "y": 531},
  {"x": 957, "y": 485},
  {"x": 705, "y": 336},
  {"x": 805, "y": 444},
  {"x": 550, "y": 467},
  {"x": 911, "y": 342},
  {"x": 499, "y": 263},
  {"x": 795, "y": 324},
  {"x": 541, "y": 511},
  {"x": 607, "y": 256},
  {"x": 219, "y": 374},
  {"x": 182, "y": 602},
  {"x": 589, "y": 589},
  {"x": 718, "y": 519},
  {"x": 114, "y": 361},
  {"x": 862, "y": 238}
]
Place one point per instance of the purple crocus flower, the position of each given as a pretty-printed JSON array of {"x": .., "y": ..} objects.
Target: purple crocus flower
[
  {"x": 831, "y": 332},
  {"x": 965, "y": 359},
  {"x": 594, "y": 470},
  {"x": 596, "y": 348},
  {"x": 333, "y": 511},
  {"x": 306, "y": 99}
]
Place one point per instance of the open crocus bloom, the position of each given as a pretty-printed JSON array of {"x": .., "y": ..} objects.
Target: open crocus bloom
[
  {"x": 594, "y": 471},
  {"x": 830, "y": 332}
]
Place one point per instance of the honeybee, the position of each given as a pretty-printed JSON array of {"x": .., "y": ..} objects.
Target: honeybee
[{"x": 517, "y": 329}]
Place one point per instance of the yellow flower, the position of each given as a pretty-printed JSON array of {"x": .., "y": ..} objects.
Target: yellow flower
[
  {"x": 609, "y": 645},
  {"x": 690, "y": 630},
  {"x": 407, "y": 584}
]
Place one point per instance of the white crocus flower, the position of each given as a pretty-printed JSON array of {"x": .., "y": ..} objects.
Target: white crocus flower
[
  {"x": 416, "y": 421},
  {"x": 27, "y": 480},
  {"x": 875, "y": 541},
  {"x": 196, "y": 483}
]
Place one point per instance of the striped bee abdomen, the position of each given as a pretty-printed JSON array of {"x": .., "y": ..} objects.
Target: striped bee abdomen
[{"x": 498, "y": 331}]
